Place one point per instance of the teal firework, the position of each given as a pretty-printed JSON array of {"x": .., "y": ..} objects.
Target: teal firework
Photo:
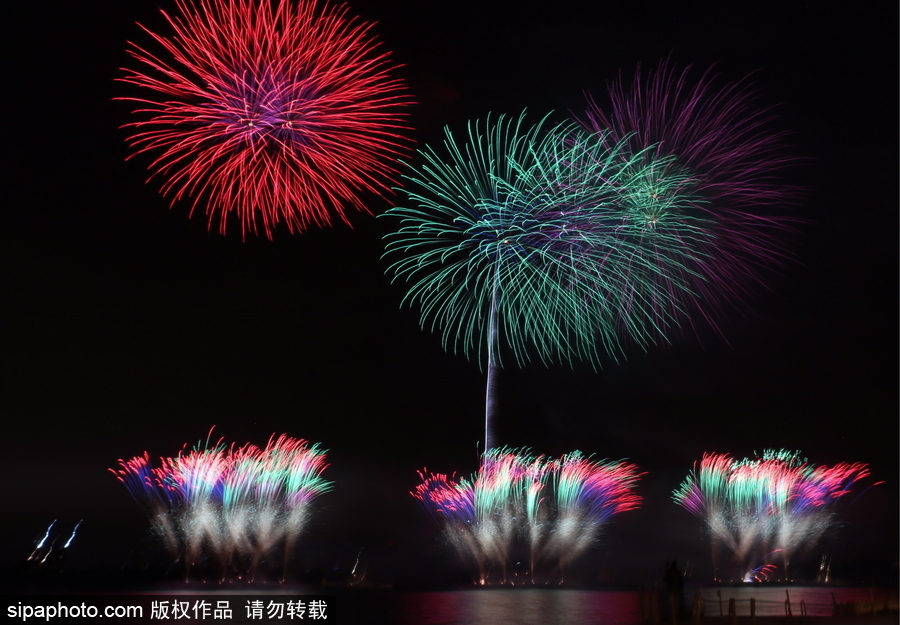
[
  {"x": 545, "y": 242},
  {"x": 542, "y": 242}
]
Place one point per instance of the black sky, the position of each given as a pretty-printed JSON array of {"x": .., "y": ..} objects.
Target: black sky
[{"x": 129, "y": 327}]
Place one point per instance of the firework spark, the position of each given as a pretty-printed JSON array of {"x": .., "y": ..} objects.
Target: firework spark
[
  {"x": 716, "y": 159},
  {"x": 225, "y": 507},
  {"x": 563, "y": 243},
  {"x": 521, "y": 507},
  {"x": 275, "y": 112},
  {"x": 757, "y": 507},
  {"x": 51, "y": 550},
  {"x": 523, "y": 238},
  {"x": 536, "y": 225}
]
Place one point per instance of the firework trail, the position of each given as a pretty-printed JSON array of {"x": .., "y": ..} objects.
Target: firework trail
[
  {"x": 531, "y": 508},
  {"x": 228, "y": 508},
  {"x": 715, "y": 160},
  {"x": 569, "y": 242},
  {"x": 270, "y": 111},
  {"x": 517, "y": 242},
  {"x": 757, "y": 507}
]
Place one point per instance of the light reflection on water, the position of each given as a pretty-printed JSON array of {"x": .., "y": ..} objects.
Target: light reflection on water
[{"x": 501, "y": 606}]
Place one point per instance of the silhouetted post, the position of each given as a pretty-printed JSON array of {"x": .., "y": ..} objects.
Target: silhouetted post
[
  {"x": 695, "y": 612},
  {"x": 650, "y": 607}
]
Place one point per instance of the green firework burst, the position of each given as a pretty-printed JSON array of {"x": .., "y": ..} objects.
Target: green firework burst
[{"x": 545, "y": 242}]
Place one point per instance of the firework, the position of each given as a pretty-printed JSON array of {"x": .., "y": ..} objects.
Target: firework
[
  {"x": 227, "y": 508},
  {"x": 273, "y": 112},
  {"x": 51, "y": 550},
  {"x": 777, "y": 503},
  {"x": 521, "y": 507},
  {"x": 716, "y": 161},
  {"x": 528, "y": 232},
  {"x": 568, "y": 242}
]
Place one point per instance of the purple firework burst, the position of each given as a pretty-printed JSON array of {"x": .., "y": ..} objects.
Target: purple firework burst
[{"x": 716, "y": 163}]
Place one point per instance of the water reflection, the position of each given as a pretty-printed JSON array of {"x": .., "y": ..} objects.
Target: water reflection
[{"x": 525, "y": 606}]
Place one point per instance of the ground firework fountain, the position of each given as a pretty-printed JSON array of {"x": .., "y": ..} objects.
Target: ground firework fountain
[
  {"x": 227, "y": 508},
  {"x": 765, "y": 509},
  {"x": 524, "y": 508}
]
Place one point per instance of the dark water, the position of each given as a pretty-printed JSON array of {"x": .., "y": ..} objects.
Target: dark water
[
  {"x": 527, "y": 606},
  {"x": 486, "y": 606}
]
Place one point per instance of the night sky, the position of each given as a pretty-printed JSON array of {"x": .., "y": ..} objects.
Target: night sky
[{"x": 129, "y": 327}]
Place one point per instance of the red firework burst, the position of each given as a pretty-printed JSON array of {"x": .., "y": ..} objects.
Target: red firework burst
[{"x": 276, "y": 112}]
